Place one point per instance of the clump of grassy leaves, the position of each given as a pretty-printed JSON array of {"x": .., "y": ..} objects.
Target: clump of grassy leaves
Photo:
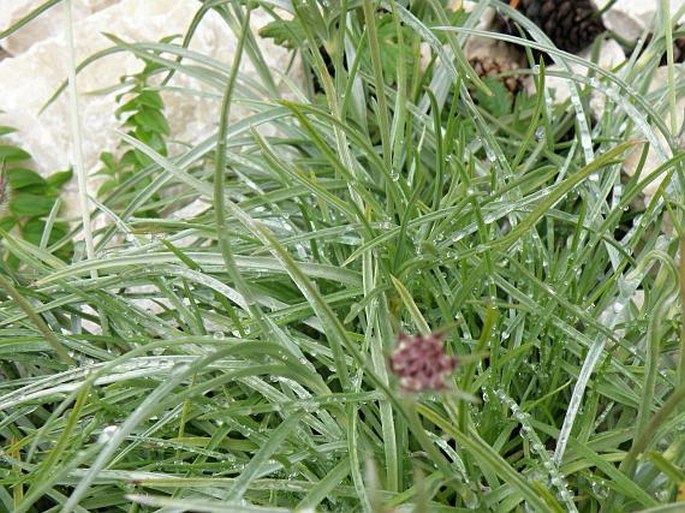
[{"x": 238, "y": 362}]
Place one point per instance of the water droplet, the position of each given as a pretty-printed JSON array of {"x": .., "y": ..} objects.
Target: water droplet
[
  {"x": 219, "y": 335},
  {"x": 309, "y": 406},
  {"x": 566, "y": 496},
  {"x": 599, "y": 488},
  {"x": 549, "y": 465},
  {"x": 535, "y": 69},
  {"x": 394, "y": 176},
  {"x": 107, "y": 434},
  {"x": 540, "y": 133},
  {"x": 612, "y": 93},
  {"x": 663, "y": 495},
  {"x": 556, "y": 481},
  {"x": 490, "y": 218},
  {"x": 181, "y": 368}
]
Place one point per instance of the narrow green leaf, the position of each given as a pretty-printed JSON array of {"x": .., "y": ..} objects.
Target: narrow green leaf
[{"x": 273, "y": 445}]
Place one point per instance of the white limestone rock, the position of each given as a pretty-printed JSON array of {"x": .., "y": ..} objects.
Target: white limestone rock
[
  {"x": 40, "y": 28},
  {"x": 631, "y": 18},
  {"x": 488, "y": 47},
  {"x": 49, "y": 23},
  {"x": 29, "y": 78},
  {"x": 610, "y": 55}
]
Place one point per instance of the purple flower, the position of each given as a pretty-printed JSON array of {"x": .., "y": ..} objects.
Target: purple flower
[{"x": 420, "y": 362}]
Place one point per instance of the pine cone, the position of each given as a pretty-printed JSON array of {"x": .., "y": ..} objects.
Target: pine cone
[
  {"x": 572, "y": 25},
  {"x": 486, "y": 66}
]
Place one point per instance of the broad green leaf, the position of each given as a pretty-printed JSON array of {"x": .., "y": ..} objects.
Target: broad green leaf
[
  {"x": 9, "y": 153},
  {"x": 20, "y": 178},
  {"x": 34, "y": 205}
]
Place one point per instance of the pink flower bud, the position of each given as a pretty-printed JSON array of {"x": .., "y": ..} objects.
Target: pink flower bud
[{"x": 420, "y": 362}]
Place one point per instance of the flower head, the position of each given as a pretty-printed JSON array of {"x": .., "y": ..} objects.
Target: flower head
[{"x": 420, "y": 362}]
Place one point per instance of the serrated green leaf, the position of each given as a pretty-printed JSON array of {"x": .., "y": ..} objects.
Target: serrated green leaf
[
  {"x": 128, "y": 159},
  {"x": 59, "y": 178},
  {"x": 108, "y": 160},
  {"x": 151, "y": 139},
  {"x": 149, "y": 119},
  {"x": 132, "y": 105},
  {"x": 151, "y": 99},
  {"x": 286, "y": 33},
  {"x": 499, "y": 103},
  {"x": 142, "y": 99}
]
